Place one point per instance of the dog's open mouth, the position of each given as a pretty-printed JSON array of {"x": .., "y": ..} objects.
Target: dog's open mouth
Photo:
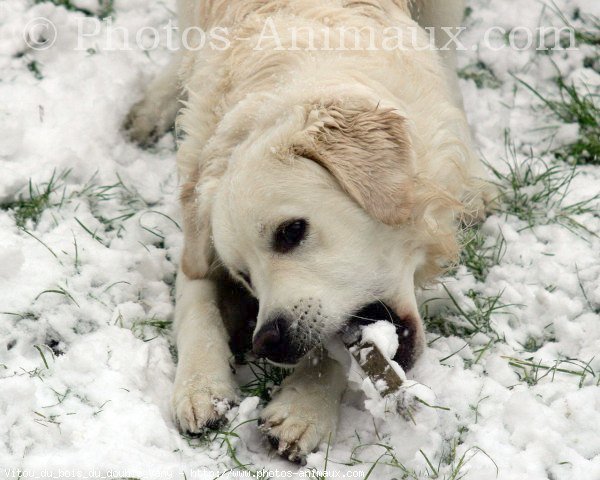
[
  {"x": 288, "y": 354},
  {"x": 292, "y": 345},
  {"x": 371, "y": 313},
  {"x": 377, "y": 311}
]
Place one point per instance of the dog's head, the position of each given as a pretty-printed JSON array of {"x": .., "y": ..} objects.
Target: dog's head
[{"x": 316, "y": 219}]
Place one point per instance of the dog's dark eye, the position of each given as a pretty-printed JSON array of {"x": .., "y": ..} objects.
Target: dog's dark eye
[{"x": 289, "y": 235}]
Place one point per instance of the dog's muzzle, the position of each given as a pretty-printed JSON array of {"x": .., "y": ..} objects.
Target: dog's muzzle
[{"x": 277, "y": 343}]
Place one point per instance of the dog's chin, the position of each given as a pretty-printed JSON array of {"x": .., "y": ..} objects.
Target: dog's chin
[
  {"x": 292, "y": 361},
  {"x": 287, "y": 366}
]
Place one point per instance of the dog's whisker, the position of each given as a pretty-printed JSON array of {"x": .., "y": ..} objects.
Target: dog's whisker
[
  {"x": 372, "y": 320},
  {"x": 378, "y": 300}
]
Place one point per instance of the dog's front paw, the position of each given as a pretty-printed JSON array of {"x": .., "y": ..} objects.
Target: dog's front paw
[
  {"x": 198, "y": 406},
  {"x": 149, "y": 119},
  {"x": 144, "y": 124},
  {"x": 296, "y": 422}
]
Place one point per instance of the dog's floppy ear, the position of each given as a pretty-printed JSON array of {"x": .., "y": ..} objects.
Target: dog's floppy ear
[
  {"x": 369, "y": 152},
  {"x": 197, "y": 249}
]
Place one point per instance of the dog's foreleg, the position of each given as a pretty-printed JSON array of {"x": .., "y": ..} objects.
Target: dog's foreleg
[
  {"x": 152, "y": 116},
  {"x": 204, "y": 383},
  {"x": 443, "y": 18},
  {"x": 304, "y": 412}
]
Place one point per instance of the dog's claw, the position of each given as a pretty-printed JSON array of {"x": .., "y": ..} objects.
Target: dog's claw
[
  {"x": 200, "y": 412},
  {"x": 290, "y": 450},
  {"x": 136, "y": 131},
  {"x": 273, "y": 441},
  {"x": 149, "y": 119}
]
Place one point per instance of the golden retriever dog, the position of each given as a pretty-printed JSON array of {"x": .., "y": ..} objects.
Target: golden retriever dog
[{"x": 326, "y": 165}]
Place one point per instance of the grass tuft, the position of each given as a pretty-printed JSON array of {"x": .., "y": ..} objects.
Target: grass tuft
[
  {"x": 39, "y": 349},
  {"x": 150, "y": 328},
  {"x": 588, "y": 34},
  {"x": 387, "y": 458},
  {"x": 104, "y": 9},
  {"x": 450, "y": 466},
  {"x": 29, "y": 209},
  {"x": 59, "y": 291},
  {"x": 575, "y": 107},
  {"x": 266, "y": 378},
  {"x": 34, "y": 67},
  {"x": 534, "y": 192},
  {"x": 531, "y": 371},
  {"x": 465, "y": 322},
  {"x": 118, "y": 197},
  {"x": 479, "y": 254},
  {"x": 129, "y": 202},
  {"x": 481, "y": 74}
]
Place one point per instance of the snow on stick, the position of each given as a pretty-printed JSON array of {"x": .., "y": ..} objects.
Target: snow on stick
[{"x": 373, "y": 347}]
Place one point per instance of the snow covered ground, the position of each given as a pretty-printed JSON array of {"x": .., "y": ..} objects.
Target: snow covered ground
[{"x": 90, "y": 240}]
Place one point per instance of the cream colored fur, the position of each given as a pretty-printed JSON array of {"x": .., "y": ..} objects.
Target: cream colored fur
[{"x": 371, "y": 146}]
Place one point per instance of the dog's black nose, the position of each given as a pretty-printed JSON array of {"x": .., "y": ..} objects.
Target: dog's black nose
[
  {"x": 273, "y": 342},
  {"x": 267, "y": 338}
]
